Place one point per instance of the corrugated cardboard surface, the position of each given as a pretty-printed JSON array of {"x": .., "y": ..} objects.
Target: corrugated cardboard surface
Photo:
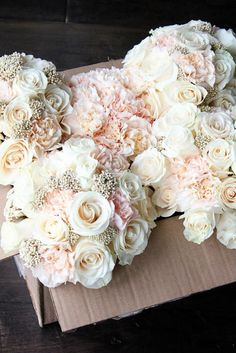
[{"x": 170, "y": 268}]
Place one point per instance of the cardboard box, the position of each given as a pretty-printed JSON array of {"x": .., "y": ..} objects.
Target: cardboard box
[{"x": 170, "y": 268}]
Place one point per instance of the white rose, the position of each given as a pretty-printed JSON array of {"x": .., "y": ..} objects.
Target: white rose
[
  {"x": 137, "y": 53},
  {"x": 219, "y": 154},
  {"x": 12, "y": 233},
  {"x": 36, "y": 63},
  {"x": 226, "y": 229},
  {"x": 57, "y": 100},
  {"x": 30, "y": 81},
  {"x": 155, "y": 101},
  {"x": 185, "y": 92},
  {"x": 155, "y": 68},
  {"x": 150, "y": 166},
  {"x": 227, "y": 38},
  {"x": 199, "y": 225},
  {"x": 130, "y": 184},
  {"x": 224, "y": 99},
  {"x": 178, "y": 142},
  {"x": 50, "y": 229},
  {"x": 228, "y": 192},
  {"x": 216, "y": 124},
  {"x": 132, "y": 240},
  {"x": 79, "y": 145},
  {"x": 224, "y": 68},
  {"x": 165, "y": 199},
  {"x": 86, "y": 166},
  {"x": 146, "y": 208},
  {"x": 93, "y": 263},
  {"x": 17, "y": 111},
  {"x": 192, "y": 39},
  {"x": 14, "y": 154},
  {"x": 90, "y": 213},
  {"x": 182, "y": 114}
]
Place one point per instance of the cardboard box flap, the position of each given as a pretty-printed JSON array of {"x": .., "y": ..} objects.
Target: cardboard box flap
[{"x": 170, "y": 268}]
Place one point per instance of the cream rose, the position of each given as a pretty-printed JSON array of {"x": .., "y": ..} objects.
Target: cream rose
[
  {"x": 30, "y": 81},
  {"x": 12, "y": 233},
  {"x": 17, "y": 111},
  {"x": 79, "y": 146},
  {"x": 219, "y": 155},
  {"x": 14, "y": 154},
  {"x": 224, "y": 99},
  {"x": 153, "y": 68},
  {"x": 199, "y": 225},
  {"x": 193, "y": 39},
  {"x": 130, "y": 184},
  {"x": 216, "y": 125},
  {"x": 224, "y": 68},
  {"x": 179, "y": 142},
  {"x": 86, "y": 166},
  {"x": 93, "y": 263},
  {"x": 185, "y": 92},
  {"x": 226, "y": 226},
  {"x": 150, "y": 166},
  {"x": 57, "y": 100},
  {"x": 146, "y": 208},
  {"x": 228, "y": 193},
  {"x": 50, "y": 229},
  {"x": 90, "y": 213},
  {"x": 227, "y": 38},
  {"x": 165, "y": 198},
  {"x": 155, "y": 101},
  {"x": 132, "y": 240}
]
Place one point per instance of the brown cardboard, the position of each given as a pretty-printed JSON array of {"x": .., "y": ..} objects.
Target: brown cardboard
[{"x": 170, "y": 268}]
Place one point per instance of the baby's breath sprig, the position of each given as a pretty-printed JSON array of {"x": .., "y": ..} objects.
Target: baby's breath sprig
[
  {"x": 52, "y": 75},
  {"x": 21, "y": 130},
  {"x": 29, "y": 252},
  {"x": 3, "y": 106},
  {"x": 37, "y": 106},
  {"x": 107, "y": 236},
  {"x": 105, "y": 183},
  {"x": 10, "y": 66},
  {"x": 201, "y": 141}
]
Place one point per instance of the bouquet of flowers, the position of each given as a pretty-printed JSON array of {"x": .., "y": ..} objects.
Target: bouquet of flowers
[{"x": 106, "y": 153}]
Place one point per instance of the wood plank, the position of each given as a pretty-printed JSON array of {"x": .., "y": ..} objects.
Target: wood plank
[
  {"x": 31, "y": 10},
  {"x": 68, "y": 45},
  {"x": 151, "y": 13}
]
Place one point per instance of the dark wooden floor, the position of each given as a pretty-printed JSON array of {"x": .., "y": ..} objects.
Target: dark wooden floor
[{"x": 203, "y": 323}]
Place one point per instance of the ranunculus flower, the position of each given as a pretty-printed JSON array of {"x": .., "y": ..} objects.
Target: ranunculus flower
[
  {"x": 132, "y": 240},
  {"x": 225, "y": 67},
  {"x": 150, "y": 166},
  {"x": 94, "y": 263},
  {"x": 226, "y": 226},
  {"x": 14, "y": 154},
  {"x": 199, "y": 224},
  {"x": 90, "y": 213}
]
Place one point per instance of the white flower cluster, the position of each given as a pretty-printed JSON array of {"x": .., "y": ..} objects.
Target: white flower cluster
[
  {"x": 186, "y": 74},
  {"x": 33, "y": 103},
  {"x": 66, "y": 228}
]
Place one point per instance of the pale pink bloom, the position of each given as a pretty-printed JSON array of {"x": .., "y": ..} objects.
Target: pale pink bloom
[
  {"x": 57, "y": 202},
  {"x": 123, "y": 210},
  {"x": 56, "y": 266},
  {"x": 6, "y": 91},
  {"x": 102, "y": 106},
  {"x": 110, "y": 160},
  {"x": 197, "y": 67}
]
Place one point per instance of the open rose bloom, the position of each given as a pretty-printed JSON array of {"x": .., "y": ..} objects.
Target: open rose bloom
[{"x": 95, "y": 161}]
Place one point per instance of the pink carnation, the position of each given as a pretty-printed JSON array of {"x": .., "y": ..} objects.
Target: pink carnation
[
  {"x": 124, "y": 212},
  {"x": 57, "y": 202}
]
